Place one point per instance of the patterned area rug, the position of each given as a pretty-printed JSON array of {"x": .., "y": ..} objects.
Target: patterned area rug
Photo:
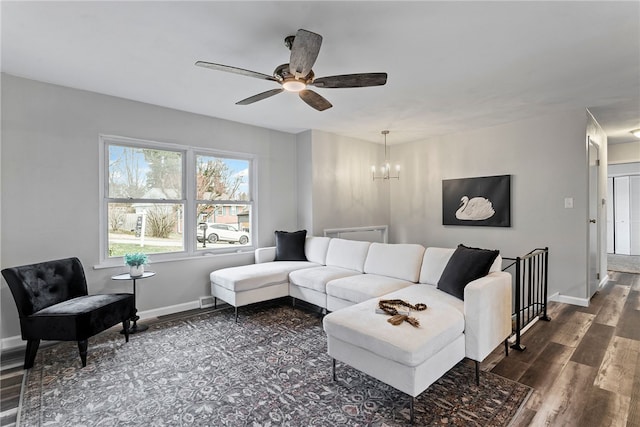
[{"x": 269, "y": 369}]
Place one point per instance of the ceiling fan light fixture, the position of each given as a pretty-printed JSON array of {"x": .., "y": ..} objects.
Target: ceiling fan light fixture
[
  {"x": 293, "y": 85},
  {"x": 636, "y": 133}
]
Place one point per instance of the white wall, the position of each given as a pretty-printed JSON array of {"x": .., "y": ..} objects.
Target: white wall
[
  {"x": 49, "y": 178},
  {"x": 546, "y": 158},
  {"x": 304, "y": 179},
  {"x": 343, "y": 194},
  {"x": 624, "y": 153}
]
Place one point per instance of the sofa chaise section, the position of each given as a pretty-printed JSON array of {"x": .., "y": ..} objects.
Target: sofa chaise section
[
  {"x": 411, "y": 358},
  {"x": 266, "y": 279}
]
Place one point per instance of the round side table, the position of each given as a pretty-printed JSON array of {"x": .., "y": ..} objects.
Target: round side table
[{"x": 126, "y": 276}]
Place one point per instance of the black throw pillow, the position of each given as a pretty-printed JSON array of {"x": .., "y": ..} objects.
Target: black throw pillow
[
  {"x": 465, "y": 265},
  {"x": 290, "y": 245}
]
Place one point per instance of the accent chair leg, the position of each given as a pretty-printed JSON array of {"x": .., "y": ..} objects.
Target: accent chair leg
[
  {"x": 236, "y": 314},
  {"x": 411, "y": 410},
  {"x": 215, "y": 302},
  {"x": 82, "y": 346},
  {"x": 506, "y": 347},
  {"x": 477, "y": 372},
  {"x": 333, "y": 369},
  {"x": 126, "y": 324},
  {"x": 293, "y": 302},
  {"x": 30, "y": 353}
]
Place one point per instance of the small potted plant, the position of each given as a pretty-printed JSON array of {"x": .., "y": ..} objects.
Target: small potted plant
[{"x": 136, "y": 262}]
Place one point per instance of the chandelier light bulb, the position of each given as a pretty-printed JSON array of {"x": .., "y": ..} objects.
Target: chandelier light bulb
[{"x": 385, "y": 169}]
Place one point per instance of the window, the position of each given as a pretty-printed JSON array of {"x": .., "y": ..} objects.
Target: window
[
  {"x": 222, "y": 193},
  {"x": 166, "y": 199}
]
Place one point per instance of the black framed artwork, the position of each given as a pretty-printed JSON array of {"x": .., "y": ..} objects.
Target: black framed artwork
[{"x": 482, "y": 201}]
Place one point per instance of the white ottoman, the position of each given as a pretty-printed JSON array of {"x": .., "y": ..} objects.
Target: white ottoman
[{"x": 407, "y": 358}]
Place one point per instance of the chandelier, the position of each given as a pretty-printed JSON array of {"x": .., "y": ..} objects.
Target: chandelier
[{"x": 385, "y": 169}]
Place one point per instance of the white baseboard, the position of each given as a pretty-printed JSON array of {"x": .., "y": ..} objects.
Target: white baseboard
[
  {"x": 582, "y": 302},
  {"x": 11, "y": 343},
  {"x": 16, "y": 342},
  {"x": 171, "y": 309}
]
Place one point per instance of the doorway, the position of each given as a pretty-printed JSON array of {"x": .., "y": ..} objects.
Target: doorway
[{"x": 623, "y": 217}]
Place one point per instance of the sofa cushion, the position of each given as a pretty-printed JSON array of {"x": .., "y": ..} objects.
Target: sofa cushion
[
  {"x": 290, "y": 245},
  {"x": 318, "y": 277},
  {"x": 465, "y": 265},
  {"x": 401, "y": 261},
  {"x": 440, "y": 324},
  {"x": 349, "y": 254},
  {"x": 433, "y": 264},
  {"x": 253, "y": 276},
  {"x": 364, "y": 286},
  {"x": 315, "y": 249}
]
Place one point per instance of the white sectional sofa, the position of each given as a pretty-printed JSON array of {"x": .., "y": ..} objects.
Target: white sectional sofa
[{"x": 348, "y": 278}]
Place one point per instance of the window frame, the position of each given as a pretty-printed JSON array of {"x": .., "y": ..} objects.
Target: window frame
[{"x": 188, "y": 197}]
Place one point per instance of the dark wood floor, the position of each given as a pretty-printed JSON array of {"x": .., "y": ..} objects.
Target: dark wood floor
[{"x": 584, "y": 365}]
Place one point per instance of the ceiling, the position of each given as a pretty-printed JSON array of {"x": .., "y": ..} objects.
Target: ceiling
[{"x": 452, "y": 66}]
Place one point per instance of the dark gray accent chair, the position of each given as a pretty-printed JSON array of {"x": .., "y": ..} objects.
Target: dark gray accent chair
[{"x": 53, "y": 304}]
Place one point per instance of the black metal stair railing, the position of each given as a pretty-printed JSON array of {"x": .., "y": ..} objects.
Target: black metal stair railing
[{"x": 530, "y": 290}]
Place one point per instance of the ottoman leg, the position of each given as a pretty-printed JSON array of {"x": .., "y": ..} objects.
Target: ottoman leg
[
  {"x": 411, "y": 410},
  {"x": 236, "y": 314},
  {"x": 333, "y": 369},
  {"x": 477, "y": 372}
]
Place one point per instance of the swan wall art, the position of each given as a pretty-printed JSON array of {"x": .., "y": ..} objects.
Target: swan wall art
[
  {"x": 483, "y": 201},
  {"x": 475, "y": 209}
]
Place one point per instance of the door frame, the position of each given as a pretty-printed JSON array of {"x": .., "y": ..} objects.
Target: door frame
[{"x": 593, "y": 203}]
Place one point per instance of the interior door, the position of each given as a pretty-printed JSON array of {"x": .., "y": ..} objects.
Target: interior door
[
  {"x": 634, "y": 214},
  {"x": 610, "y": 231},
  {"x": 621, "y": 215},
  {"x": 594, "y": 223}
]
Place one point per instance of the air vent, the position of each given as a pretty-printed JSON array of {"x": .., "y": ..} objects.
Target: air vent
[{"x": 206, "y": 302}]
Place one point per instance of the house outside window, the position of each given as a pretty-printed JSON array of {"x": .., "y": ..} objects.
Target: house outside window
[
  {"x": 222, "y": 190},
  {"x": 170, "y": 200}
]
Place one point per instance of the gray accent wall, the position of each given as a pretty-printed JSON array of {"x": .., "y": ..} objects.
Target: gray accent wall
[
  {"x": 546, "y": 158},
  {"x": 49, "y": 177},
  {"x": 342, "y": 192}
]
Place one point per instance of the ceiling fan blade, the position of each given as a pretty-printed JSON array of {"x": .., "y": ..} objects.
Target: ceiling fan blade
[
  {"x": 235, "y": 70},
  {"x": 304, "y": 52},
  {"x": 259, "y": 97},
  {"x": 314, "y": 100},
  {"x": 351, "y": 80}
]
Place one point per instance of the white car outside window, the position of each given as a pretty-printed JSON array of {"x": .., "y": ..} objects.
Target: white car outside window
[{"x": 217, "y": 232}]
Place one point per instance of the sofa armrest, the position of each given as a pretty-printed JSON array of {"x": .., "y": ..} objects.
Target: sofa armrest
[
  {"x": 487, "y": 314},
  {"x": 267, "y": 254}
]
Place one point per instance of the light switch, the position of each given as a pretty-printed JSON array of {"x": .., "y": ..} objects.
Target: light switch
[{"x": 568, "y": 202}]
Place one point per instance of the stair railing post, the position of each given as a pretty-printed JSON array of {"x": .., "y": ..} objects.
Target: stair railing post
[{"x": 546, "y": 283}]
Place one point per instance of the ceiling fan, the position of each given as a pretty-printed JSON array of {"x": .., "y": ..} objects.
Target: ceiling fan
[{"x": 297, "y": 75}]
